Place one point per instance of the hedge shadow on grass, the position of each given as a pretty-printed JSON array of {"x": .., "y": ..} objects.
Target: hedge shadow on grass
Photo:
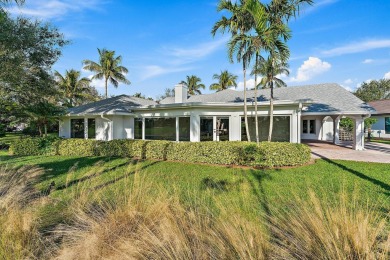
[{"x": 383, "y": 185}]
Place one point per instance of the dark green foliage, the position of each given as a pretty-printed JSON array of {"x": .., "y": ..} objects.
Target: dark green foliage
[
  {"x": 374, "y": 90},
  {"x": 35, "y": 146},
  {"x": 2, "y": 130},
  {"x": 267, "y": 154}
]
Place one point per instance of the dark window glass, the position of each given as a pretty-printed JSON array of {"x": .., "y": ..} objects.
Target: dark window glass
[
  {"x": 223, "y": 129},
  {"x": 137, "y": 128},
  {"x": 91, "y": 128},
  {"x": 304, "y": 127},
  {"x": 77, "y": 128},
  {"x": 387, "y": 125},
  {"x": 206, "y": 129},
  {"x": 160, "y": 129},
  {"x": 312, "y": 126},
  {"x": 280, "y": 132},
  {"x": 184, "y": 128}
]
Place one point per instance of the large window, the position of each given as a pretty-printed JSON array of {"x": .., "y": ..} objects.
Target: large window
[
  {"x": 160, "y": 128},
  {"x": 91, "y": 128},
  {"x": 206, "y": 129},
  {"x": 387, "y": 125},
  {"x": 137, "y": 128},
  {"x": 309, "y": 126},
  {"x": 77, "y": 128},
  {"x": 184, "y": 128},
  {"x": 280, "y": 131}
]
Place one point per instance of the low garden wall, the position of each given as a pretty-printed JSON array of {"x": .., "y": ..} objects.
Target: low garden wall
[{"x": 267, "y": 154}]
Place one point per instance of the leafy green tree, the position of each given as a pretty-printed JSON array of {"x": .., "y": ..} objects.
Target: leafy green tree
[
  {"x": 43, "y": 113},
  {"x": 225, "y": 81},
  {"x": 168, "y": 92},
  {"x": 239, "y": 22},
  {"x": 374, "y": 90},
  {"x": 28, "y": 49},
  {"x": 72, "y": 87},
  {"x": 140, "y": 95},
  {"x": 108, "y": 68},
  {"x": 193, "y": 83},
  {"x": 270, "y": 69}
]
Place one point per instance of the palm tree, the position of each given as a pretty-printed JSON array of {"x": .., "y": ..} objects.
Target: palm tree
[
  {"x": 71, "y": 86},
  {"x": 225, "y": 80},
  {"x": 108, "y": 68},
  {"x": 193, "y": 83},
  {"x": 238, "y": 24},
  {"x": 270, "y": 69}
]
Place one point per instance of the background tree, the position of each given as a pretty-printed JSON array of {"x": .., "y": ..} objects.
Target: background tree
[
  {"x": 140, "y": 95},
  {"x": 108, "y": 68},
  {"x": 72, "y": 87},
  {"x": 168, "y": 92},
  {"x": 225, "y": 81},
  {"x": 193, "y": 83},
  {"x": 374, "y": 90}
]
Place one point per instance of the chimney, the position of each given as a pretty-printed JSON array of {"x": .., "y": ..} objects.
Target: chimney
[{"x": 181, "y": 93}]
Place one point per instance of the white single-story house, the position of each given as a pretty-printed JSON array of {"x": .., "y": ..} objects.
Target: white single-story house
[
  {"x": 307, "y": 112},
  {"x": 382, "y": 127}
]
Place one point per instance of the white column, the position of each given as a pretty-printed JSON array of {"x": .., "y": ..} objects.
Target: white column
[
  {"x": 86, "y": 128},
  {"x": 358, "y": 134},
  {"x": 299, "y": 123},
  {"x": 215, "y": 128},
  {"x": 143, "y": 128},
  {"x": 177, "y": 129},
  {"x": 336, "y": 129},
  {"x": 194, "y": 128}
]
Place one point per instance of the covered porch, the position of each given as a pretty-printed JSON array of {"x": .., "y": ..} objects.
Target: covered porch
[{"x": 326, "y": 128}]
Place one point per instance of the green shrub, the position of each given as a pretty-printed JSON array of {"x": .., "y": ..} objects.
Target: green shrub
[
  {"x": 272, "y": 154},
  {"x": 77, "y": 147},
  {"x": 35, "y": 146},
  {"x": 276, "y": 154}
]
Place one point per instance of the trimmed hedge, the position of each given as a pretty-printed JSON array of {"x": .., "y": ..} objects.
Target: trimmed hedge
[
  {"x": 272, "y": 154},
  {"x": 35, "y": 146}
]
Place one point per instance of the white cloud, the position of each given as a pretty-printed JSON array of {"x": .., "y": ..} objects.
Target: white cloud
[
  {"x": 348, "y": 81},
  {"x": 155, "y": 70},
  {"x": 250, "y": 84},
  {"x": 387, "y": 75},
  {"x": 357, "y": 47},
  {"x": 180, "y": 55},
  {"x": 350, "y": 89},
  {"x": 48, "y": 9},
  {"x": 311, "y": 68},
  {"x": 97, "y": 83},
  {"x": 367, "y": 61}
]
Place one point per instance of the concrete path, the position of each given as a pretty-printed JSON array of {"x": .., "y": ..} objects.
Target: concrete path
[{"x": 374, "y": 152}]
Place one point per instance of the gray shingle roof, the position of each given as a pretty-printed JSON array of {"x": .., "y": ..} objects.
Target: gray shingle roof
[
  {"x": 329, "y": 97},
  {"x": 118, "y": 104}
]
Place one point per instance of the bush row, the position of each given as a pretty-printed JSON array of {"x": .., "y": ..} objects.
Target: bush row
[{"x": 272, "y": 154}]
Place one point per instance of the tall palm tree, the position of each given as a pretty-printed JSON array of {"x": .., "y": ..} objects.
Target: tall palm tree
[
  {"x": 108, "y": 68},
  {"x": 193, "y": 83},
  {"x": 71, "y": 86},
  {"x": 270, "y": 69},
  {"x": 225, "y": 80},
  {"x": 238, "y": 24}
]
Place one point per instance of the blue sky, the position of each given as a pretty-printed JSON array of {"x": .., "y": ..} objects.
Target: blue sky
[{"x": 342, "y": 41}]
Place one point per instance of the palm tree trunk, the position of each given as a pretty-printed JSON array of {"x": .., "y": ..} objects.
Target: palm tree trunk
[
  {"x": 106, "y": 81},
  {"x": 245, "y": 105},
  {"x": 256, "y": 119},
  {"x": 271, "y": 113}
]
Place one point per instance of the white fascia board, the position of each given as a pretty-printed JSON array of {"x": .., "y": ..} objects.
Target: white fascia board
[{"x": 343, "y": 113}]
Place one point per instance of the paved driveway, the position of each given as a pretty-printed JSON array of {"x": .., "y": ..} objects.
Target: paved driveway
[{"x": 374, "y": 152}]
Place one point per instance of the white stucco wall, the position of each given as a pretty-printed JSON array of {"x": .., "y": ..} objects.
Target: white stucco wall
[
  {"x": 64, "y": 128},
  {"x": 103, "y": 129},
  {"x": 323, "y": 128},
  {"x": 379, "y": 126}
]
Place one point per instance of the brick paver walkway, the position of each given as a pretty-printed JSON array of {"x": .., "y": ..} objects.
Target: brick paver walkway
[{"x": 374, "y": 152}]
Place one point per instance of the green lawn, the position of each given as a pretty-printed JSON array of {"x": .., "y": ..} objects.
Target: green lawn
[
  {"x": 383, "y": 141},
  {"x": 227, "y": 194},
  {"x": 261, "y": 187}
]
